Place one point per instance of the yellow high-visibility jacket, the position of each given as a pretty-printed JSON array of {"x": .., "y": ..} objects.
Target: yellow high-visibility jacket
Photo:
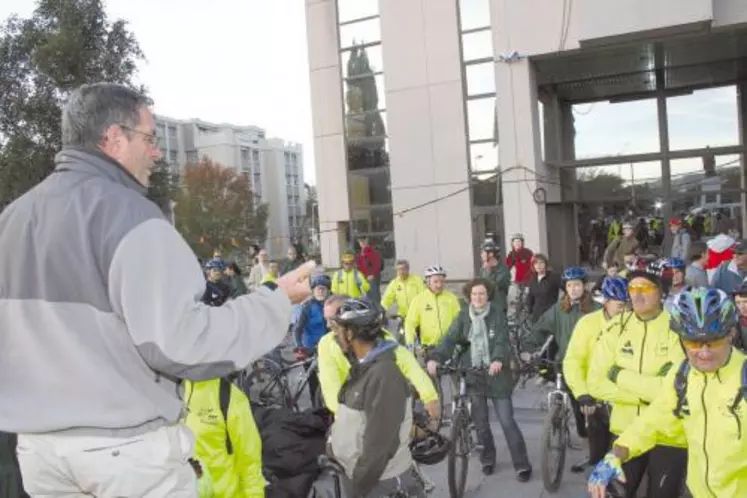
[
  {"x": 715, "y": 430},
  {"x": 641, "y": 349},
  {"x": 433, "y": 314},
  {"x": 351, "y": 283},
  {"x": 239, "y": 474},
  {"x": 334, "y": 368},
  {"x": 402, "y": 292},
  {"x": 584, "y": 338}
]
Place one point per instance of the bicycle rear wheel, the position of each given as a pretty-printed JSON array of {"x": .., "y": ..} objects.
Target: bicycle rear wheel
[
  {"x": 554, "y": 444},
  {"x": 265, "y": 385},
  {"x": 458, "y": 458}
]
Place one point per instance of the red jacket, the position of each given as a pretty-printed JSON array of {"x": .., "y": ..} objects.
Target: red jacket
[
  {"x": 369, "y": 262},
  {"x": 523, "y": 263}
]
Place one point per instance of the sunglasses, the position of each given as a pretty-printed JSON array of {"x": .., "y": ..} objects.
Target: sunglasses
[
  {"x": 714, "y": 344},
  {"x": 642, "y": 289}
]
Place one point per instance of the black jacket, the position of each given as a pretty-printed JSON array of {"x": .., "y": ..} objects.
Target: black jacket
[{"x": 543, "y": 294}]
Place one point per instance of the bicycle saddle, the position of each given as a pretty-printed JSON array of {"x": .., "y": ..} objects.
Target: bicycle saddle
[{"x": 329, "y": 464}]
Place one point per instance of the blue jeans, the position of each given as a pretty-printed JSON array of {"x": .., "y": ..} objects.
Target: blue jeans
[{"x": 504, "y": 409}]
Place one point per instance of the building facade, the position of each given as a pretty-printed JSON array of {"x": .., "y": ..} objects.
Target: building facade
[
  {"x": 438, "y": 123},
  {"x": 274, "y": 166}
]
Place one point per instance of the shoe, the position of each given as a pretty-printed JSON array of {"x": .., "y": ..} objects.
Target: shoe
[
  {"x": 580, "y": 467},
  {"x": 488, "y": 468},
  {"x": 524, "y": 475}
]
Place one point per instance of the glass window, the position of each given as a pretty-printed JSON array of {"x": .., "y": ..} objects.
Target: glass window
[
  {"x": 485, "y": 190},
  {"x": 369, "y": 187},
  {"x": 481, "y": 118},
  {"x": 357, "y": 33},
  {"x": 375, "y": 219},
  {"x": 255, "y": 155},
  {"x": 477, "y": 45},
  {"x": 474, "y": 13},
  {"x": 172, "y": 131},
  {"x": 694, "y": 187},
  {"x": 483, "y": 157},
  {"x": 349, "y": 10},
  {"x": 359, "y": 61},
  {"x": 622, "y": 185},
  {"x": 366, "y": 93},
  {"x": 173, "y": 156},
  {"x": 368, "y": 124},
  {"x": 704, "y": 118},
  {"x": 480, "y": 78},
  {"x": 609, "y": 129},
  {"x": 367, "y": 153},
  {"x": 192, "y": 157}
]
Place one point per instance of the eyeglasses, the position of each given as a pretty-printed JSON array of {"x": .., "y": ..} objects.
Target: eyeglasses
[
  {"x": 150, "y": 138},
  {"x": 714, "y": 344},
  {"x": 642, "y": 289}
]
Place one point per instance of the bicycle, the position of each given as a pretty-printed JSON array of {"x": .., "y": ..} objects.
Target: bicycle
[
  {"x": 422, "y": 353},
  {"x": 556, "y": 428},
  {"x": 333, "y": 468},
  {"x": 268, "y": 383},
  {"x": 463, "y": 434}
]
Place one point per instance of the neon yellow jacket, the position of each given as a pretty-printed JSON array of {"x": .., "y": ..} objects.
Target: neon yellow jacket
[
  {"x": 205, "y": 484},
  {"x": 238, "y": 475},
  {"x": 433, "y": 314},
  {"x": 350, "y": 283},
  {"x": 578, "y": 355},
  {"x": 269, "y": 278},
  {"x": 641, "y": 349},
  {"x": 334, "y": 368},
  {"x": 716, "y": 437},
  {"x": 402, "y": 292}
]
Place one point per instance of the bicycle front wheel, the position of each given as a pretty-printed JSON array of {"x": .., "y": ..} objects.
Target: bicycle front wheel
[
  {"x": 554, "y": 443},
  {"x": 458, "y": 458},
  {"x": 265, "y": 385}
]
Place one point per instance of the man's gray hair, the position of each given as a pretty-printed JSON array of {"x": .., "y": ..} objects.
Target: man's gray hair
[{"x": 92, "y": 109}]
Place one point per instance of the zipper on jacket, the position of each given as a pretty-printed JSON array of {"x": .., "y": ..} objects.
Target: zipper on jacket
[
  {"x": 705, "y": 434},
  {"x": 640, "y": 361}
]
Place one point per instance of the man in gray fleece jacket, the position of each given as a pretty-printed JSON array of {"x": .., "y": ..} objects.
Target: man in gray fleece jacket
[{"x": 100, "y": 315}]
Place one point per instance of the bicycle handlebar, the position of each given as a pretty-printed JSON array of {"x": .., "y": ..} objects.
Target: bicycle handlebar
[{"x": 449, "y": 368}]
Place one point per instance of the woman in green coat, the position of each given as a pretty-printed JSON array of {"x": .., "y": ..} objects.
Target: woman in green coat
[{"x": 480, "y": 335}]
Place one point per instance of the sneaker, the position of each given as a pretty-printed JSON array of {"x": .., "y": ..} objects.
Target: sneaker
[{"x": 524, "y": 475}]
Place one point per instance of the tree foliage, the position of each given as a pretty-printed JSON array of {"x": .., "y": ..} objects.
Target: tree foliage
[
  {"x": 64, "y": 44},
  {"x": 215, "y": 209},
  {"x": 164, "y": 186}
]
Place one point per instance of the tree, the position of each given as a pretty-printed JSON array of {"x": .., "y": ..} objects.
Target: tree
[
  {"x": 215, "y": 209},
  {"x": 64, "y": 44},
  {"x": 164, "y": 186}
]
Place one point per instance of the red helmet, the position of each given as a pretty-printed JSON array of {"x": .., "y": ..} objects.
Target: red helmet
[{"x": 675, "y": 222}]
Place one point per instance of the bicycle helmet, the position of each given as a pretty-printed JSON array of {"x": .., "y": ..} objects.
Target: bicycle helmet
[
  {"x": 430, "y": 449},
  {"x": 322, "y": 280},
  {"x": 703, "y": 314},
  {"x": 361, "y": 317},
  {"x": 675, "y": 264},
  {"x": 434, "y": 270},
  {"x": 615, "y": 289},
  {"x": 215, "y": 264},
  {"x": 517, "y": 236},
  {"x": 490, "y": 246},
  {"x": 574, "y": 273}
]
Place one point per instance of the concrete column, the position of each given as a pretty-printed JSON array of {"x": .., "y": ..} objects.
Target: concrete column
[
  {"x": 327, "y": 115},
  {"x": 520, "y": 157},
  {"x": 427, "y": 134},
  {"x": 742, "y": 116}
]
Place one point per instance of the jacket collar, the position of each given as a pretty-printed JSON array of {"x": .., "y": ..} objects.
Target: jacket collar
[{"x": 96, "y": 163}]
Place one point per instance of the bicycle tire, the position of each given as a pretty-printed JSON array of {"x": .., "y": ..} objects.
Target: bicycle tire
[
  {"x": 264, "y": 385},
  {"x": 459, "y": 437},
  {"x": 554, "y": 424}
]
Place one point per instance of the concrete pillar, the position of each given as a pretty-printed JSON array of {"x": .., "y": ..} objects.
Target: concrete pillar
[
  {"x": 427, "y": 134},
  {"x": 327, "y": 115},
  {"x": 742, "y": 120},
  {"x": 520, "y": 156}
]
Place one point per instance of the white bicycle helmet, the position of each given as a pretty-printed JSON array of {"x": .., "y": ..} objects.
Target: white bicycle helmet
[{"x": 434, "y": 270}]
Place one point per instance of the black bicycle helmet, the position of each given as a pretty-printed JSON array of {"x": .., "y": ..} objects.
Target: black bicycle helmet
[
  {"x": 490, "y": 246},
  {"x": 430, "y": 449},
  {"x": 361, "y": 317}
]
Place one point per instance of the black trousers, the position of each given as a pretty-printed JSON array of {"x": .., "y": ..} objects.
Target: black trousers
[
  {"x": 667, "y": 469},
  {"x": 313, "y": 386},
  {"x": 600, "y": 437}
]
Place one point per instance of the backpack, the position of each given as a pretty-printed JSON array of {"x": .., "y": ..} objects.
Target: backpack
[
  {"x": 680, "y": 387},
  {"x": 356, "y": 277},
  {"x": 224, "y": 397}
]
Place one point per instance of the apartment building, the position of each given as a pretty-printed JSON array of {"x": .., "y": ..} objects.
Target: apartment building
[{"x": 274, "y": 166}]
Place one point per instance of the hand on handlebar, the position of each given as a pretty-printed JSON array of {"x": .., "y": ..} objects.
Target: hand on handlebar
[
  {"x": 606, "y": 471},
  {"x": 495, "y": 368},
  {"x": 588, "y": 404},
  {"x": 434, "y": 410}
]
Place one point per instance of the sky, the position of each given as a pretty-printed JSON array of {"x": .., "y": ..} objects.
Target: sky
[{"x": 243, "y": 62}]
